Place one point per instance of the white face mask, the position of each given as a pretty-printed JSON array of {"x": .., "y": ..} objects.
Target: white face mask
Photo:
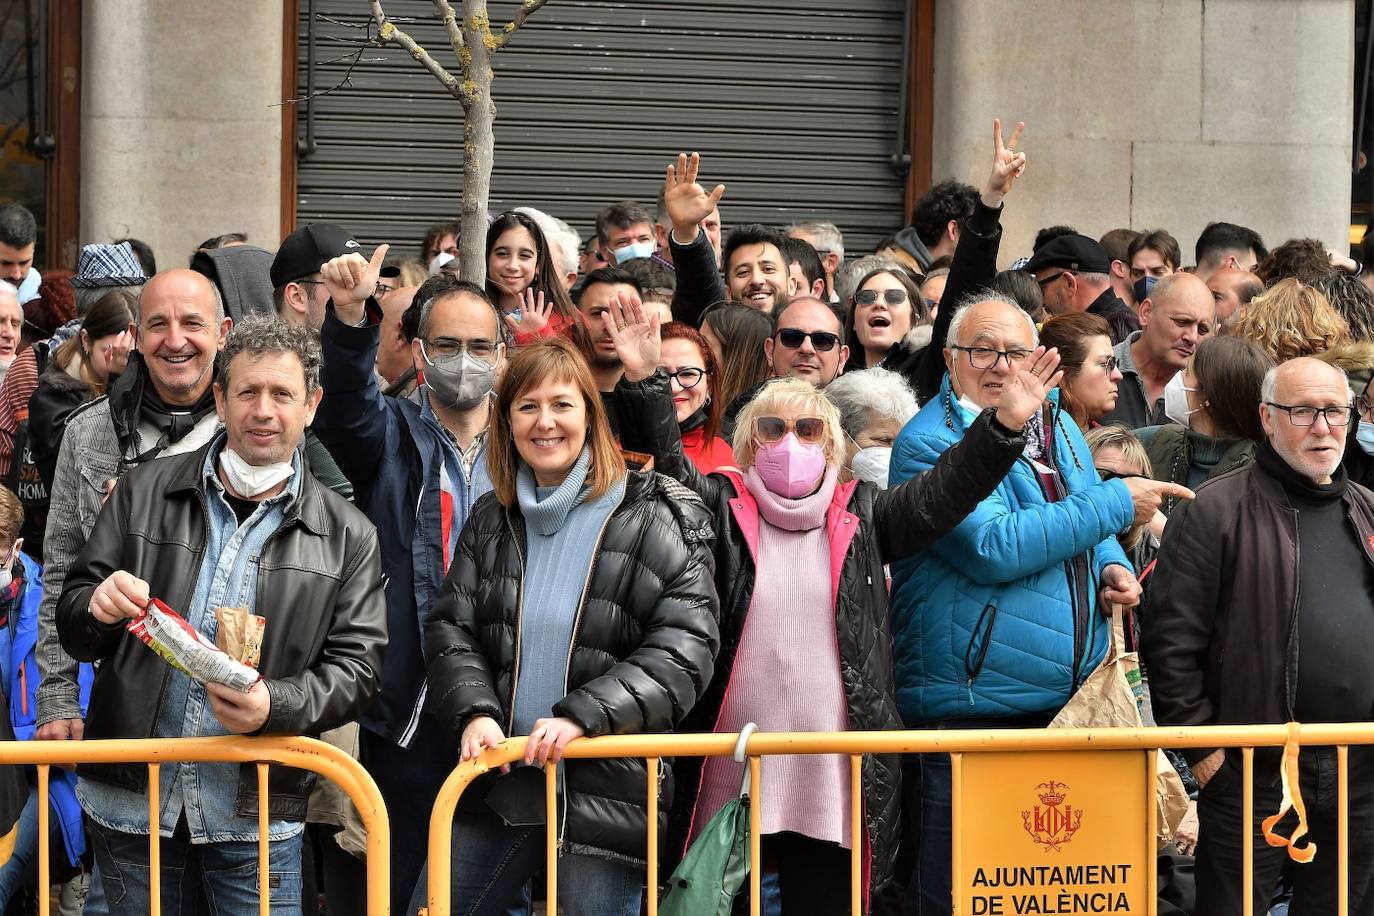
[
  {"x": 872, "y": 464},
  {"x": 248, "y": 480},
  {"x": 11, "y": 557},
  {"x": 633, "y": 250},
  {"x": 971, "y": 410},
  {"x": 1176, "y": 401}
]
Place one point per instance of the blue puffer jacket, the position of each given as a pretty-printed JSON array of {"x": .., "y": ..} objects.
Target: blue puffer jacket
[
  {"x": 392, "y": 450},
  {"x": 999, "y": 617}
]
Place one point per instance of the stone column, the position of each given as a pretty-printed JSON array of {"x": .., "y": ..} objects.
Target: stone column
[
  {"x": 1154, "y": 113},
  {"x": 180, "y": 139}
]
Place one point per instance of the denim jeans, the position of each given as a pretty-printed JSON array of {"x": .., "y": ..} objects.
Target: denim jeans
[
  {"x": 22, "y": 867},
  {"x": 493, "y": 863},
  {"x": 224, "y": 874}
]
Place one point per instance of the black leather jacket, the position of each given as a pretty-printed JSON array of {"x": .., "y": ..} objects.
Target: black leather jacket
[
  {"x": 643, "y": 647},
  {"x": 892, "y": 524},
  {"x": 319, "y": 586}
]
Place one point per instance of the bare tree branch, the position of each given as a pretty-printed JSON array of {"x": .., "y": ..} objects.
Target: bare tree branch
[
  {"x": 387, "y": 32},
  {"x": 527, "y": 9},
  {"x": 450, "y": 18}
]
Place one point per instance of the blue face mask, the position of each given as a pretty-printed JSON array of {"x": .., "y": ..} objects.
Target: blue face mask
[
  {"x": 1365, "y": 436},
  {"x": 633, "y": 250},
  {"x": 1143, "y": 286}
]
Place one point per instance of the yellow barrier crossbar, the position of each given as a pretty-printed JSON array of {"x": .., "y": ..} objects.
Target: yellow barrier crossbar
[
  {"x": 856, "y": 744},
  {"x": 301, "y": 753}
]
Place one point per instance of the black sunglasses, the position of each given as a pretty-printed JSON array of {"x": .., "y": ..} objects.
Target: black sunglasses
[
  {"x": 821, "y": 341},
  {"x": 870, "y": 297}
]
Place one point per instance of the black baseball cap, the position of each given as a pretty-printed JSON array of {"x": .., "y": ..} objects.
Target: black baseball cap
[
  {"x": 1071, "y": 252},
  {"x": 305, "y": 250}
]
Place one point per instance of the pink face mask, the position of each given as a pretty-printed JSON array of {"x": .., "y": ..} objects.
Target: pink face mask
[{"x": 790, "y": 468}]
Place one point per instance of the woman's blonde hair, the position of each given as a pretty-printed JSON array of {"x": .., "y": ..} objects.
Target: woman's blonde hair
[
  {"x": 1133, "y": 451},
  {"x": 785, "y": 393},
  {"x": 553, "y": 359},
  {"x": 1292, "y": 319}
]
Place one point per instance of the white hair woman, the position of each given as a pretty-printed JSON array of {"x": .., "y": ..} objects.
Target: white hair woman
[
  {"x": 874, "y": 405},
  {"x": 799, "y": 560}
]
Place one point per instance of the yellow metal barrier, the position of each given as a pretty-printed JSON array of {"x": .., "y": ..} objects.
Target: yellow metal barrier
[
  {"x": 957, "y": 743},
  {"x": 301, "y": 753}
]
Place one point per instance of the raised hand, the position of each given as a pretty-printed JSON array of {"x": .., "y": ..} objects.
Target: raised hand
[
  {"x": 1007, "y": 164},
  {"x": 350, "y": 280},
  {"x": 1148, "y": 495},
  {"x": 634, "y": 331},
  {"x": 534, "y": 313},
  {"x": 686, "y": 201},
  {"x": 1025, "y": 390}
]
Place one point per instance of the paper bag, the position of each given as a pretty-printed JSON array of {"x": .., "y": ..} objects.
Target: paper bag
[
  {"x": 1108, "y": 699},
  {"x": 239, "y": 634}
]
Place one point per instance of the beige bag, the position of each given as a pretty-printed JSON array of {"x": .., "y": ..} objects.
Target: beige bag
[{"x": 1107, "y": 699}]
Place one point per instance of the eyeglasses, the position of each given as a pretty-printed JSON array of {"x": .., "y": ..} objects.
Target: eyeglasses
[
  {"x": 821, "y": 341},
  {"x": 1109, "y": 365},
  {"x": 687, "y": 378},
  {"x": 1303, "y": 416},
  {"x": 771, "y": 429},
  {"x": 384, "y": 288},
  {"x": 987, "y": 358},
  {"x": 870, "y": 296},
  {"x": 447, "y": 348},
  {"x": 1048, "y": 280}
]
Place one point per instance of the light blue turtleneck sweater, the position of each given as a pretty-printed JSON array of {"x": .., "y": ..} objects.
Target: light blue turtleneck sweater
[{"x": 563, "y": 532}]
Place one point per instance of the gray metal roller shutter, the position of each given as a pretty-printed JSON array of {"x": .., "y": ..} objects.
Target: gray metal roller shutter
[{"x": 793, "y": 105}]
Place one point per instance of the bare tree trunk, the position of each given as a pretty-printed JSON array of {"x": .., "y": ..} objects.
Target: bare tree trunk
[
  {"x": 479, "y": 141},
  {"x": 473, "y": 43}
]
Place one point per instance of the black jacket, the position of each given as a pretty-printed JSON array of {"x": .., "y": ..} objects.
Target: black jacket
[
  {"x": 322, "y": 648},
  {"x": 1120, "y": 317},
  {"x": 972, "y": 271},
  {"x": 699, "y": 284},
  {"x": 891, "y": 524},
  {"x": 643, "y": 647},
  {"x": 56, "y": 396},
  {"x": 1220, "y": 638}
]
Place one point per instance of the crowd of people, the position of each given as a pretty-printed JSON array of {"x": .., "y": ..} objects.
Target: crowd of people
[{"x": 681, "y": 476}]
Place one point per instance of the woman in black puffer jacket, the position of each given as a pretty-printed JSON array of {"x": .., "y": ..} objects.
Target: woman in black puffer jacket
[
  {"x": 800, "y": 553},
  {"x": 579, "y": 601}
]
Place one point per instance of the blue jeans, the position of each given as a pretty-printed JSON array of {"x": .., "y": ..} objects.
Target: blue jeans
[
  {"x": 493, "y": 864},
  {"x": 226, "y": 874},
  {"x": 22, "y": 867},
  {"x": 927, "y": 804}
]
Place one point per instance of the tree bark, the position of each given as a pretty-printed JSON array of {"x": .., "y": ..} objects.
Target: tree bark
[{"x": 479, "y": 119}]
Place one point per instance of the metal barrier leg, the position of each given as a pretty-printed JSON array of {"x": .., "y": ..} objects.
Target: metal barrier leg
[
  {"x": 1247, "y": 865},
  {"x": 1343, "y": 830},
  {"x": 651, "y": 876},
  {"x": 154, "y": 841},
  {"x": 264, "y": 869},
  {"x": 856, "y": 835},
  {"x": 1151, "y": 829},
  {"x": 755, "y": 840},
  {"x": 44, "y": 879},
  {"x": 551, "y": 815}
]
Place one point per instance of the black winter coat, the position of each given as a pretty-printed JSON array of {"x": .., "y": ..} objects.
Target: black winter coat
[
  {"x": 56, "y": 396},
  {"x": 892, "y": 524},
  {"x": 643, "y": 650}
]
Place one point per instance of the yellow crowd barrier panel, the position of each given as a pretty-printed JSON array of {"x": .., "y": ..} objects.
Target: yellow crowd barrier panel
[
  {"x": 1044, "y": 820},
  {"x": 301, "y": 753}
]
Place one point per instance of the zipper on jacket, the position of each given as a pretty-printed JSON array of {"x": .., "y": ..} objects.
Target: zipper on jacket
[
  {"x": 519, "y": 608},
  {"x": 567, "y": 668},
  {"x": 974, "y": 659},
  {"x": 1289, "y": 699}
]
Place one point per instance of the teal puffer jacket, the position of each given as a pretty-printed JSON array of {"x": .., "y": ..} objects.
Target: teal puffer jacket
[{"x": 999, "y": 618}]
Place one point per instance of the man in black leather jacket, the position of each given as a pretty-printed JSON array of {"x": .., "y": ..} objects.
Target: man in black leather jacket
[{"x": 240, "y": 522}]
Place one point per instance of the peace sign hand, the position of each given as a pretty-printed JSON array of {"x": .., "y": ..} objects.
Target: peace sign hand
[
  {"x": 534, "y": 314},
  {"x": 686, "y": 201},
  {"x": 1025, "y": 389},
  {"x": 1007, "y": 164},
  {"x": 635, "y": 335}
]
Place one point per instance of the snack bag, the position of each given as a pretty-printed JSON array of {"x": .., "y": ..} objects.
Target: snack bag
[
  {"x": 239, "y": 634},
  {"x": 168, "y": 634}
]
